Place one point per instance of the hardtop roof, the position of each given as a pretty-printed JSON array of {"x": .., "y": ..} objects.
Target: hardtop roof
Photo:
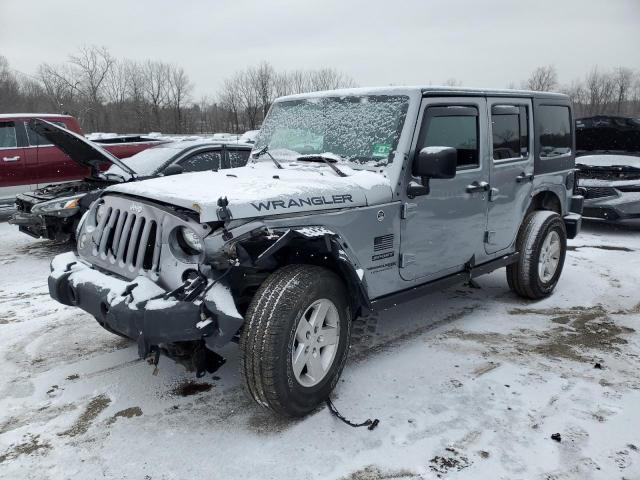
[
  {"x": 427, "y": 90},
  {"x": 33, "y": 115}
]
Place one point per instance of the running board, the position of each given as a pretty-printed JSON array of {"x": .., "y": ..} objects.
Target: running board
[{"x": 392, "y": 299}]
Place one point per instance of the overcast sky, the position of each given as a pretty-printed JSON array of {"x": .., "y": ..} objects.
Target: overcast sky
[{"x": 489, "y": 43}]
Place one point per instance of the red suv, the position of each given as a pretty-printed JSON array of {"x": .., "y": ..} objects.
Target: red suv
[{"x": 28, "y": 161}]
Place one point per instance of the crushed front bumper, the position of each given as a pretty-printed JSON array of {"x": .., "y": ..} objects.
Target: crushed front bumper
[
  {"x": 610, "y": 201},
  {"x": 139, "y": 309},
  {"x": 29, "y": 223}
]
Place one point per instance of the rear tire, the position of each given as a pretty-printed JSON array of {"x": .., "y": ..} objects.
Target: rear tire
[
  {"x": 542, "y": 243},
  {"x": 295, "y": 339}
]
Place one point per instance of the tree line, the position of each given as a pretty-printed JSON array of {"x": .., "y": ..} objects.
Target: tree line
[
  {"x": 600, "y": 92},
  {"x": 110, "y": 94}
]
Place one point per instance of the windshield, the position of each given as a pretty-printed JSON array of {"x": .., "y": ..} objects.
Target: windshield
[
  {"x": 361, "y": 129},
  {"x": 148, "y": 161}
]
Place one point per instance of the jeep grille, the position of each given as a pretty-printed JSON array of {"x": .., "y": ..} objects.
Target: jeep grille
[{"x": 128, "y": 240}]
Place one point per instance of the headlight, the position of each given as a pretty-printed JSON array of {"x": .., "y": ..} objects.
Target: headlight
[
  {"x": 64, "y": 208},
  {"x": 190, "y": 239}
]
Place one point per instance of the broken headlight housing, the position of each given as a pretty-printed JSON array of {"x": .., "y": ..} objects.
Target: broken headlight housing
[{"x": 65, "y": 207}]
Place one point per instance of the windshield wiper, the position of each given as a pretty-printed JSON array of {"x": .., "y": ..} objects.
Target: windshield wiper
[
  {"x": 264, "y": 150},
  {"x": 322, "y": 158}
]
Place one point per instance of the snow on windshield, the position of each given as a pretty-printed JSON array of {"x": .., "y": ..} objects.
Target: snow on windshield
[
  {"x": 148, "y": 161},
  {"x": 362, "y": 129}
]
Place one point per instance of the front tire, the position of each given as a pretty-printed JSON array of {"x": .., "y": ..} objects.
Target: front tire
[
  {"x": 542, "y": 243},
  {"x": 295, "y": 340}
]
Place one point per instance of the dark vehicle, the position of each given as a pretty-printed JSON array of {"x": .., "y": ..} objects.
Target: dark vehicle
[
  {"x": 608, "y": 159},
  {"x": 355, "y": 200},
  {"x": 54, "y": 211}
]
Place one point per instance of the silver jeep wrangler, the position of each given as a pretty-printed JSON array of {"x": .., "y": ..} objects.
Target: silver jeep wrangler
[{"x": 354, "y": 200}]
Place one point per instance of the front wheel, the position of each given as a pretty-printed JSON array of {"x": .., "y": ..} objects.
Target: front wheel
[
  {"x": 295, "y": 339},
  {"x": 542, "y": 243}
]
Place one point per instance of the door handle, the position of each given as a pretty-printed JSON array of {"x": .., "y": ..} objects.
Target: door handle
[
  {"x": 477, "y": 187},
  {"x": 11, "y": 159},
  {"x": 524, "y": 177}
]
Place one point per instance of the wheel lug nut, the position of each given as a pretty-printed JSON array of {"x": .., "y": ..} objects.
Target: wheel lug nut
[{"x": 308, "y": 335}]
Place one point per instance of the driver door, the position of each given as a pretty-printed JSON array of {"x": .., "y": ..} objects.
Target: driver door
[{"x": 444, "y": 230}]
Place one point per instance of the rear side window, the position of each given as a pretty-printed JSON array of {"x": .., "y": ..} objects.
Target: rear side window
[
  {"x": 8, "y": 135},
  {"x": 510, "y": 131},
  {"x": 455, "y": 127},
  {"x": 238, "y": 158},
  {"x": 202, "y": 161},
  {"x": 554, "y": 128},
  {"x": 36, "y": 139}
]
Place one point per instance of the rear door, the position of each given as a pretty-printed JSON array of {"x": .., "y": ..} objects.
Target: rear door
[
  {"x": 511, "y": 173},
  {"x": 13, "y": 171},
  {"x": 444, "y": 230}
]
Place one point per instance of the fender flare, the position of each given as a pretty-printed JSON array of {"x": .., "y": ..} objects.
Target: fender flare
[{"x": 355, "y": 281}]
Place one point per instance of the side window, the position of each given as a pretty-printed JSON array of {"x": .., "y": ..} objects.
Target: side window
[
  {"x": 37, "y": 139},
  {"x": 8, "y": 135},
  {"x": 238, "y": 158},
  {"x": 554, "y": 128},
  {"x": 202, "y": 161},
  {"x": 452, "y": 126},
  {"x": 510, "y": 131}
]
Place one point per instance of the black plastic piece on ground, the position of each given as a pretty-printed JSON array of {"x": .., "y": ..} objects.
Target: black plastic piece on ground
[{"x": 370, "y": 424}]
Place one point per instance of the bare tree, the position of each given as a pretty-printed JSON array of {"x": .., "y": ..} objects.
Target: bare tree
[
  {"x": 623, "y": 83},
  {"x": 91, "y": 66},
  {"x": 230, "y": 99},
  {"x": 155, "y": 86},
  {"x": 9, "y": 87},
  {"x": 542, "y": 79},
  {"x": 263, "y": 78},
  {"x": 178, "y": 92},
  {"x": 59, "y": 86}
]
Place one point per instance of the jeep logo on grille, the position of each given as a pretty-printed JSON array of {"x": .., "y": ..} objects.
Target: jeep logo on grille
[{"x": 136, "y": 208}]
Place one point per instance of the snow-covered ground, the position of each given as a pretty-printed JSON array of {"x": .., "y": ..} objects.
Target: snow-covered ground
[{"x": 467, "y": 384}]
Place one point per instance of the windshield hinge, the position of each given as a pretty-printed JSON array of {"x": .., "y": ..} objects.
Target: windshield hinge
[
  {"x": 407, "y": 259},
  {"x": 407, "y": 208}
]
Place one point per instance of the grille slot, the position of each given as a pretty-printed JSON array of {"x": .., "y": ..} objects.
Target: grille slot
[
  {"x": 384, "y": 242},
  {"x": 131, "y": 241},
  {"x": 600, "y": 192}
]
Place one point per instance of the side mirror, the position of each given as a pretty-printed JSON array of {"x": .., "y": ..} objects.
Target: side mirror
[
  {"x": 432, "y": 162},
  {"x": 436, "y": 162},
  {"x": 173, "y": 169}
]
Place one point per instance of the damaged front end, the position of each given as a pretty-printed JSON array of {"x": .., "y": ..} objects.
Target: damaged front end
[
  {"x": 153, "y": 273},
  {"x": 136, "y": 274}
]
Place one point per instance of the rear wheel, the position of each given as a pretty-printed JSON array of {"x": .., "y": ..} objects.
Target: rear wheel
[
  {"x": 295, "y": 339},
  {"x": 542, "y": 243}
]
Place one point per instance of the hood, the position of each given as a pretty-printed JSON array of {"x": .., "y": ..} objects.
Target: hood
[
  {"x": 608, "y": 160},
  {"x": 605, "y": 134},
  {"x": 81, "y": 150},
  {"x": 62, "y": 190},
  {"x": 260, "y": 190},
  {"x": 594, "y": 169}
]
